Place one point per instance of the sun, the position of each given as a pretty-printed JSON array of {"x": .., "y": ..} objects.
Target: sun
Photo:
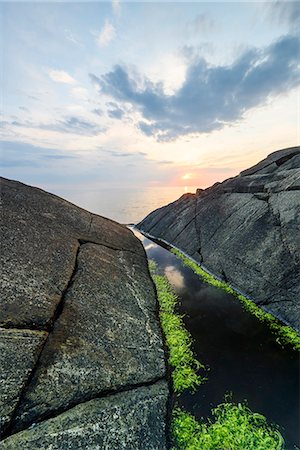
[{"x": 187, "y": 176}]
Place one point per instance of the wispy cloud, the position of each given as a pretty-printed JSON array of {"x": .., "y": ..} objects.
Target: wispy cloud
[
  {"x": 116, "y": 6},
  {"x": 55, "y": 156},
  {"x": 72, "y": 124},
  {"x": 95, "y": 81},
  {"x": 79, "y": 93},
  {"x": 60, "y": 76},
  {"x": 106, "y": 35},
  {"x": 97, "y": 111},
  {"x": 286, "y": 11},
  {"x": 19, "y": 154},
  {"x": 210, "y": 97},
  {"x": 75, "y": 125},
  {"x": 122, "y": 154},
  {"x": 200, "y": 24},
  {"x": 114, "y": 111},
  {"x": 72, "y": 38}
]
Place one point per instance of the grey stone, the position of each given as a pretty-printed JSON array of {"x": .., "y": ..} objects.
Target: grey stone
[
  {"x": 277, "y": 159},
  {"x": 246, "y": 230},
  {"x": 38, "y": 228},
  {"x": 107, "y": 336},
  {"x": 19, "y": 351},
  {"x": 78, "y": 288},
  {"x": 133, "y": 420}
]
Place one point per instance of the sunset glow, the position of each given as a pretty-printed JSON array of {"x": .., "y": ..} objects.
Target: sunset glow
[
  {"x": 111, "y": 103},
  {"x": 187, "y": 176}
]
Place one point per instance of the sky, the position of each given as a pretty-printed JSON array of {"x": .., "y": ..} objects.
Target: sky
[{"x": 130, "y": 94}]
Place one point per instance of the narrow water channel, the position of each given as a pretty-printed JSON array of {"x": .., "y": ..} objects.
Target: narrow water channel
[{"x": 241, "y": 354}]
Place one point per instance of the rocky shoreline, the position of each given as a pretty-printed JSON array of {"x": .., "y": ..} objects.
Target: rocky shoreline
[
  {"x": 246, "y": 231},
  {"x": 82, "y": 353}
]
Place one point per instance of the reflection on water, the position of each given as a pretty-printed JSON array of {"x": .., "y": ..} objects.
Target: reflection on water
[
  {"x": 241, "y": 353},
  {"x": 126, "y": 205},
  {"x": 149, "y": 246},
  {"x": 175, "y": 277}
]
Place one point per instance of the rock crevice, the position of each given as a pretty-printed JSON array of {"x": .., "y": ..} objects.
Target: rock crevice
[
  {"x": 130, "y": 419},
  {"x": 83, "y": 280}
]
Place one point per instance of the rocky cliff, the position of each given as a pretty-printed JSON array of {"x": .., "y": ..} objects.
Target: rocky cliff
[
  {"x": 81, "y": 354},
  {"x": 245, "y": 230}
]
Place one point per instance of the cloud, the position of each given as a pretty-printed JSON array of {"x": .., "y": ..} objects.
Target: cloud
[
  {"x": 191, "y": 53},
  {"x": 97, "y": 111},
  {"x": 6, "y": 163},
  {"x": 19, "y": 154},
  {"x": 56, "y": 170},
  {"x": 79, "y": 93},
  {"x": 200, "y": 24},
  {"x": 116, "y": 6},
  {"x": 72, "y": 38},
  {"x": 59, "y": 156},
  {"x": 106, "y": 35},
  {"x": 60, "y": 76},
  {"x": 33, "y": 97},
  {"x": 114, "y": 111},
  {"x": 286, "y": 11},
  {"x": 95, "y": 80},
  {"x": 121, "y": 154},
  {"x": 211, "y": 96},
  {"x": 73, "y": 124},
  {"x": 166, "y": 162}
]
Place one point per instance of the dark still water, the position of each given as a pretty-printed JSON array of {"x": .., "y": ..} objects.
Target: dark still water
[{"x": 242, "y": 355}]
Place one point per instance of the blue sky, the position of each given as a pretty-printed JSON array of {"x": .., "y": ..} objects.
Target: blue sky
[{"x": 128, "y": 94}]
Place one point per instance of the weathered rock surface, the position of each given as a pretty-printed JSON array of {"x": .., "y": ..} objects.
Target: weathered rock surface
[
  {"x": 245, "y": 230},
  {"x": 129, "y": 420},
  {"x": 19, "y": 351},
  {"x": 79, "y": 322},
  {"x": 38, "y": 228},
  {"x": 105, "y": 338}
]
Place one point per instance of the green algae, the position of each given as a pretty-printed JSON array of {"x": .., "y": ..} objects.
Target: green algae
[
  {"x": 285, "y": 335},
  {"x": 179, "y": 341},
  {"x": 235, "y": 427}
]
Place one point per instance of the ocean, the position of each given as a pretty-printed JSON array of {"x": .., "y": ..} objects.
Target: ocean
[{"x": 128, "y": 205}]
